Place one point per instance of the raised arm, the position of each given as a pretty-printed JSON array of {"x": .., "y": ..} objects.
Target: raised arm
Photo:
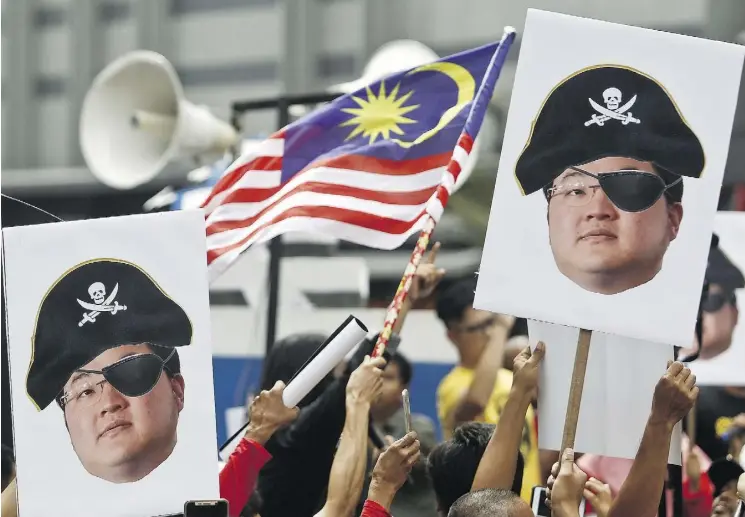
[
  {"x": 498, "y": 464},
  {"x": 348, "y": 470},
  {"x": 238, "y": 477},
  {"x": 567, "y": 486},
  {"x": 474, "y": 400},
  {"x": 674, "y": 396},
  {"x": 425, "y": 280},
  {"x": 389, "y": 474}
]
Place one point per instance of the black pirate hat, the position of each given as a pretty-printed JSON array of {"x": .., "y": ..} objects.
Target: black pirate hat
[
  {"x": 95, "y": 306},
  {"x": 608, "y": 110}
]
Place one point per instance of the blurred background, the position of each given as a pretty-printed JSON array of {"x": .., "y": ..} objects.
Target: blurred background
[{"x": 226, "y": 51}]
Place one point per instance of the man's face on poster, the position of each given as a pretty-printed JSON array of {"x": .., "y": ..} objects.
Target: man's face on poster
[
  {"x": 118, "y": 438},
  {"x": 600, "y": 247}
]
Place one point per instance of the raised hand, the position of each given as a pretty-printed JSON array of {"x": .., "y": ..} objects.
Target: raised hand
[
  {"x": 427, "y": 276},
  {"x": 566, "y": 486},
  {"x": 693, "y": 469},
  {"x": 269, "y": 413},
  {"x": 395, "y": 463},
  {"x": 599, "y": 495},
  {"x": 365, "y": 382},
  {"x": 674, "y": 394},
  {"x": 526, "y": 368}
]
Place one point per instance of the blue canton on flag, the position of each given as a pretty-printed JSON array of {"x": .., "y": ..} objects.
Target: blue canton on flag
[{"x": 369, "y": 168}]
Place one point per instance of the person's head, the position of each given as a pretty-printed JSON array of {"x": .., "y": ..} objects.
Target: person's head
[
  {"x": 724, "y": 474},
  {"x": 9, "y": 466},
  {"x": 725, "y": 504},
  {"x": 396, "y": 377},
  {"x": 719, "y": 309},
  {"x": 452, "y": 464},
  {"x": 490, "y": 502},
  {"x": 600, "y": 246},
  {"x": 612, "y": 175},
  {"x": 105, "y": 333},
  {"x": 287, "y": 357},
  {"x": 118, "y": 437},
  {"x": 469, "y": 329}
]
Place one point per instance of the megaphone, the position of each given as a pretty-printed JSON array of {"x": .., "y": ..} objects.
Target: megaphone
[
  {"x": 400, "y": 55},
  {"x": 135, "y": 120}
]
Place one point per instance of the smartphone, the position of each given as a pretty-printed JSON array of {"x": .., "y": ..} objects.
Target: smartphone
[
  {"x": 207, "y": 508},
  {"x": 407, "y": 410},
  {"x": 539, "y": 506}
]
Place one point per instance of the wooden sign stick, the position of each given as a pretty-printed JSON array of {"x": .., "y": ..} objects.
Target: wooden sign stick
[{"x": 575, "y": 389}]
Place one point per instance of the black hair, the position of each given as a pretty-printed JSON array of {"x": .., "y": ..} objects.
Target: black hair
[
  {"x": 8, "y": 465},
  {"x": 287, "y": 356},
  {"x": 405, "y": 371},
  {"x": 452, "y": 464},
  {"x": 488, "y": 502},
  {"x": 453, "y": 302}
]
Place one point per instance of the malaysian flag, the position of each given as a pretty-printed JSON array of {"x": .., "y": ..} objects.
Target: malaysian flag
[{"x": 371, "y": 167}]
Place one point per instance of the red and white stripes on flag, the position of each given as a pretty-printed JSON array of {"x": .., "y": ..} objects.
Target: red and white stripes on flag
[{"x": 369, "y": 201}]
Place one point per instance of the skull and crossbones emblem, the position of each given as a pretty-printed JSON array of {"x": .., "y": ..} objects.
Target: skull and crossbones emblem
[
  {"x": 613, "y": 109},
  {"x": 101, "y": 303}
]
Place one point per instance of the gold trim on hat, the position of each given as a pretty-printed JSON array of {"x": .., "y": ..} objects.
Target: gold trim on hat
[
  {"x": 592, "y": 67},
  {"x": 70, "y": 270}
]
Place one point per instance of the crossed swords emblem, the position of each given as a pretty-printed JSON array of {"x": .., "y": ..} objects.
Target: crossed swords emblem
[
  {"x": 604, "y": 114},
  {"x": 94, "y": 309}
]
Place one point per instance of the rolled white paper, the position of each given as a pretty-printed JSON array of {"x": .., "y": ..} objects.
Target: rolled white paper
[
  {"x": 337, "y": 346},
  {"x": 334, "y": 349}
]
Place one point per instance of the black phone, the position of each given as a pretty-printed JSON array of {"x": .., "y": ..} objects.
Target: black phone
[{"x": 206, "y": 508}]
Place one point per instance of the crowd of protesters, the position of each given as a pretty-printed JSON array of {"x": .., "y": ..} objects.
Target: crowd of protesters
[{"x": 323, "y": 459}]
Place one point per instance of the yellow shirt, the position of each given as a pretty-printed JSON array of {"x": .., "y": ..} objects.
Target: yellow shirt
[{"x": 456, "y": 384}]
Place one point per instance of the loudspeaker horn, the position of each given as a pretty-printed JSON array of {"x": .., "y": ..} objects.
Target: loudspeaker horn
[{"x": 135, "y": 120}]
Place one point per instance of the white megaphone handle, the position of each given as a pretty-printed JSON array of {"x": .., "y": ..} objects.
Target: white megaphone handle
[
  {"x": 154, "y": 123},
  {"x": 200, "y": 130}
]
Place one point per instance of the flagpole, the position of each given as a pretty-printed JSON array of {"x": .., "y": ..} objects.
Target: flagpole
[{"x": 475, "y": 118}]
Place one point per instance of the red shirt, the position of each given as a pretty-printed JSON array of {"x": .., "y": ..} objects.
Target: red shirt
[
  {"x": 373, "y": 509},
  {"x": 698, "y": 504},
  {"x": 238, "y": 477}
]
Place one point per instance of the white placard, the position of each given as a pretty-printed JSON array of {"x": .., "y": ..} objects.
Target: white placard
[
  {"x": 728, "y": 368},
  {"x": 52, "y": 478},
  {"x": 519, "y": 274},
  {"x": 617, "y": 395}
]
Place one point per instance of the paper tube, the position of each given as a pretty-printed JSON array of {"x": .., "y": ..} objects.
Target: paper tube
[
  {"x": 329, "y": 354},
  {"x": 332, "y": 352}
]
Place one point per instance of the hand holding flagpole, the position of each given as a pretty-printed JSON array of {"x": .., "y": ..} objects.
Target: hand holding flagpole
[{"x": 439, "y": 200}]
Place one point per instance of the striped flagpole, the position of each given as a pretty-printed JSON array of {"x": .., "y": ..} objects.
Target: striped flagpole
[{"x": 470, "y": 131}]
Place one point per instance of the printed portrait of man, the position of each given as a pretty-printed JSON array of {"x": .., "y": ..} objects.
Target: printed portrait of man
[
  {"x": 609, "y": 149},
  {"x": 104, "y": 349}
]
